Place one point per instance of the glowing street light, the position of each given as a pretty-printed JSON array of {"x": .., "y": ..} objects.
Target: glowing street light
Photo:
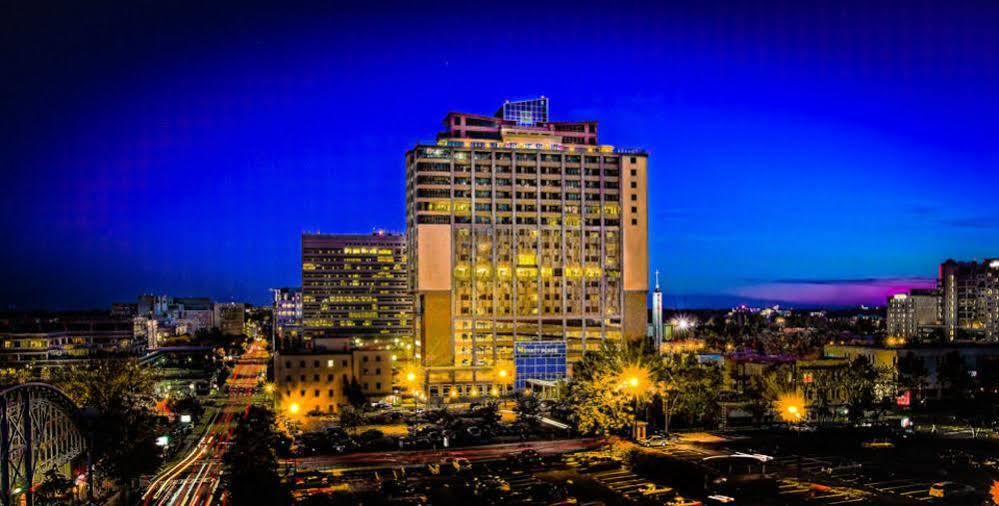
[
  {"x": 412, "y": 377},
  {"x": 503, "y": 373},
  {"x": 294, "y": 408},
  {"x": 635, "y": 380},
  {"x": 791, "y": 407},
  {"x": 683, "y": 323}
]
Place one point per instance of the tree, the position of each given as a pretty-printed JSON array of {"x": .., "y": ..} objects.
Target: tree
[
  {"x": 125, "y": 428},
  {"x": 355, "y": 396},
  {"x": 952, "y": 374},
  {"x": 251, "y": 463},
  {"x": 912, "y": 373},
  {"x": 350, "y": 419},
  {"x": 689, "y": 388},
  {"x": 527, "y": 410},
  {"x": 55, "y": 489},
  {"x": 762, "y": 391},
  {"x": 489, "y": 414},
  {"x": 599, "y": 407}
]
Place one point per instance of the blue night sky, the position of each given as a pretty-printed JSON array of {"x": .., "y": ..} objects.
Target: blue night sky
[{"x": 825, "y": 153}]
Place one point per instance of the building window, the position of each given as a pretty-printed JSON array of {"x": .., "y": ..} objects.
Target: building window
[
  {"x": 633, "y": 171},
  {"x": 301, "y": 363},
  {"x": 301, "y": 393},
  {"x": 330, "y": 363},
  {"x": 316, "y": 393},
  {"x": 288, "y": 364},
  {"x": 303, "y": 377},
  {"x": 634, "y": 209},
  {"x": 634, "y": 184},
  {"x": 329, "y": 378},
  {"x": 364, "y": 358},
  {"x": 287, "y": 378},
  {"x": 315, "y": 363},
  {"x": 634, "y": 197},
  {"x": 315, "y": 377},
  {"x": 365, "y": 386},
  {"x": 329, "y": 393},
  {"x": 633, "y": 160},
  {"x": 378, "y": 386},
  {"x": 378, "y": 358},
  {"x": 634, "y": 221},
  {"x": 378, "y": 371},
  {"x": 343, "y": 363}
]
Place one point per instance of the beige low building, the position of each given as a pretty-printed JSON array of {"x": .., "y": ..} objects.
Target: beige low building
[{"x": 315, "y": 381}]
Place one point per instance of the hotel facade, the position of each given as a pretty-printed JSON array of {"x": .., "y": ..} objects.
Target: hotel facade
[
  {"x": 522, "y": 230},
  {"x": 970, "y": 299}
]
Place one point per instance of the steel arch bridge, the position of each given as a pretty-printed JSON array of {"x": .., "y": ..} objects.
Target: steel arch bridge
[{"x": 40, "y": 429}]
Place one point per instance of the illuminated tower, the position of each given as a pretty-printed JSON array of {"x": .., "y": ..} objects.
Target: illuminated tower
[
  {"x": 657, "y": 316},
  {"x": 522, "y": 230}
]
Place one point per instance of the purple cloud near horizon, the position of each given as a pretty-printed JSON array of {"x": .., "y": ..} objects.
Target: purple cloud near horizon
[{"x": 840, "y": 292}]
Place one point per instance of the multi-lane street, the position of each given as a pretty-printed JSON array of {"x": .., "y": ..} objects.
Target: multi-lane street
[
  {"x": 195, "y": 479},
  {"x": 387, "y": 460}
]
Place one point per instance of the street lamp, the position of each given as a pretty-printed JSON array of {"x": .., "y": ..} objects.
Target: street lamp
[
  {"x": 634, "y": 381},
  {"x": 294, "y": 408},
  {"x": 791, "y": 407}
]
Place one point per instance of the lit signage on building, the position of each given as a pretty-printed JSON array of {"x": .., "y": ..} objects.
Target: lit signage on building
[{"x": 541, "y": 360}]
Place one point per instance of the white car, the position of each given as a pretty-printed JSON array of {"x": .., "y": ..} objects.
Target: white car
[{"x": 656, "y": 441}]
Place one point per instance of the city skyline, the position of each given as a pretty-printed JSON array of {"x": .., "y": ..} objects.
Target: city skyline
[{"x": 786, "y": 165}]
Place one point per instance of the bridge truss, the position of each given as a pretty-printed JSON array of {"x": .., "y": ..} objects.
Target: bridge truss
[{"x": 39, "y": 431}]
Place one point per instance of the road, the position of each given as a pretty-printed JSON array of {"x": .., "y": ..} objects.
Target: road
[
  {"x": 384, "y": 460},
  {"x": 195, "y": 479}
]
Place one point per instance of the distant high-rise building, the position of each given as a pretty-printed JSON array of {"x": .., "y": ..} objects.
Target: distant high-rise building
[
  {"x": 657, "y": 316},
  {"x": 354, "y": 287},
  {"x": 970, "y": 299},
  {"x": 522, "y": 230},
  {"x": 287, "y": 312},
  {"x": 911, "y": 314}
]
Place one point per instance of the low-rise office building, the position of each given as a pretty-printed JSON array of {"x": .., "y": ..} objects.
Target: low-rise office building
[
  {"x": 316, "y": 380},
  {"x": 56, "y": 341}
]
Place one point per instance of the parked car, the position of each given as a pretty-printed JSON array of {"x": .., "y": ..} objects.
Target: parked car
[
  {"x": 951, "y": 490},
  {"x": 656, "y": 442}
]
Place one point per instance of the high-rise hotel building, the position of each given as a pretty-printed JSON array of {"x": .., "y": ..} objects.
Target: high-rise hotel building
[
  {"x": 970, "y": 299},
  {"x": 354, "y": 288},
  {"x": 522, "y": 230}
]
